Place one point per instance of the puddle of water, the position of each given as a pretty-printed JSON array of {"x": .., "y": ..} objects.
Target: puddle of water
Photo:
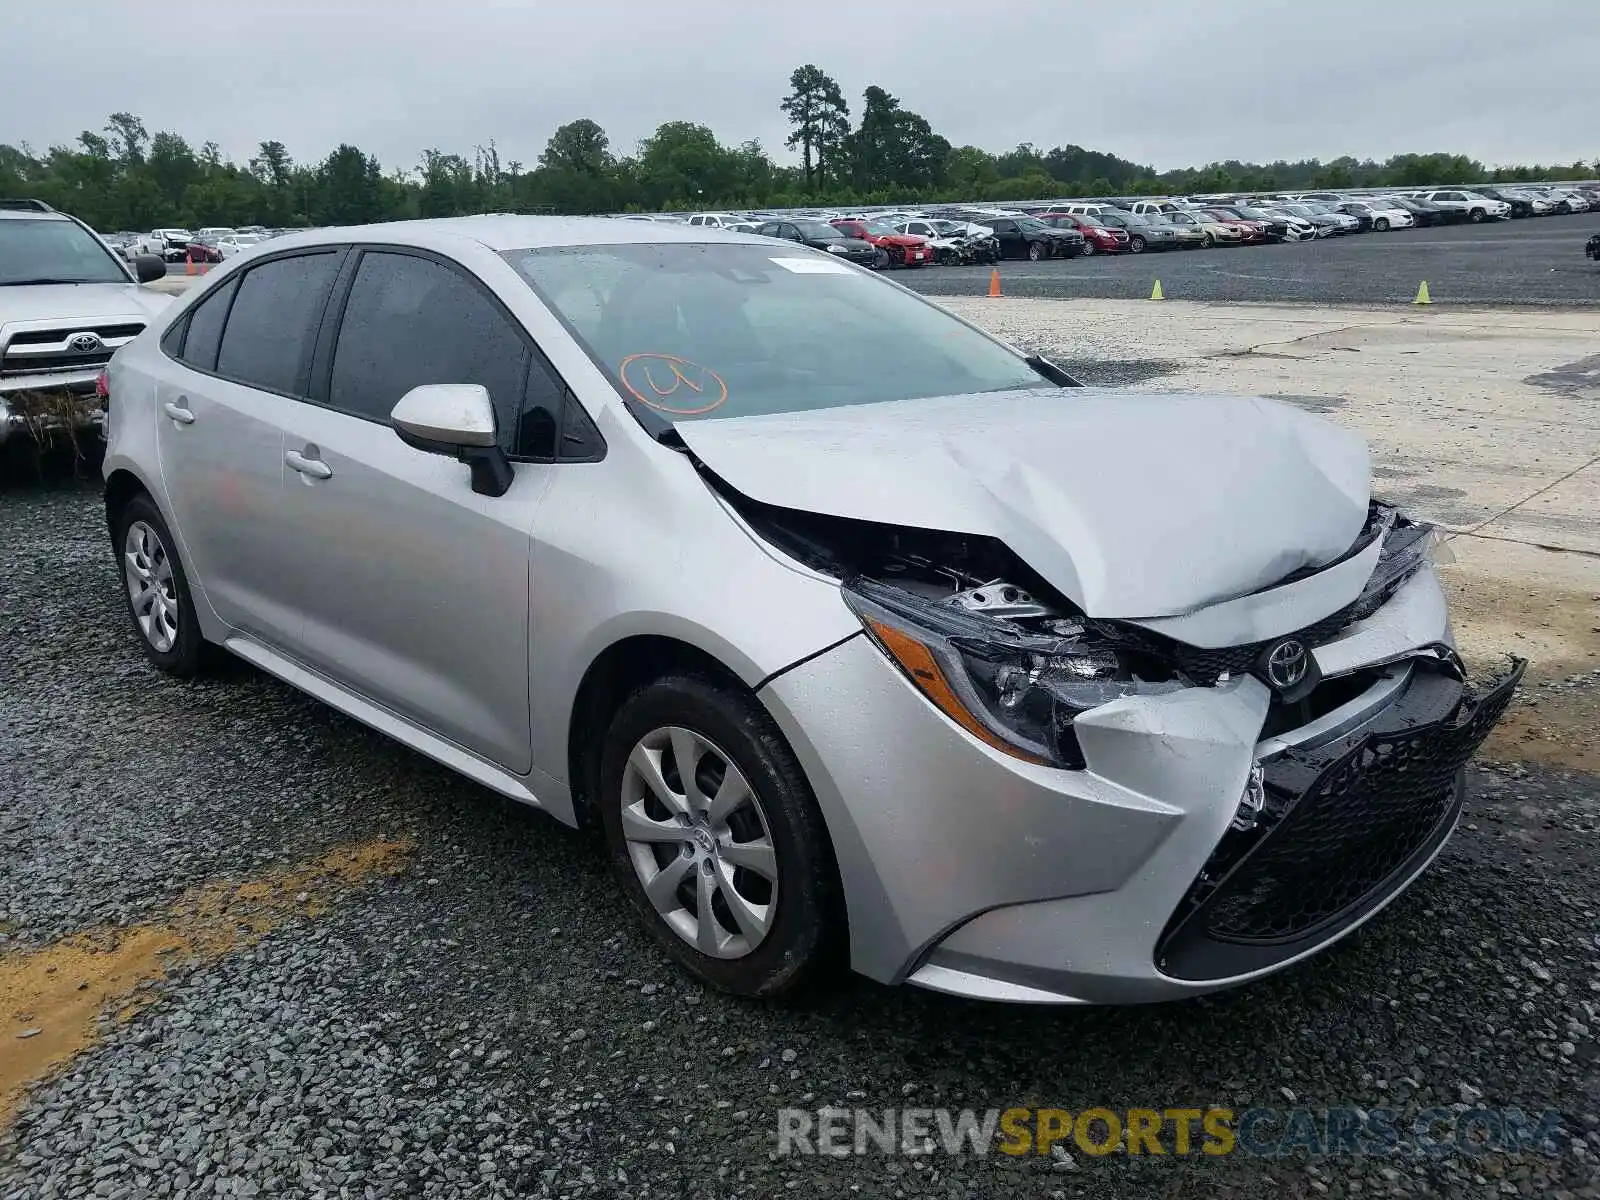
[{"x": 52, "y": 999}]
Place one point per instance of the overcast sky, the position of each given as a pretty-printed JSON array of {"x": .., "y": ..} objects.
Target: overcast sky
[{"x": 1159, "y": 81}]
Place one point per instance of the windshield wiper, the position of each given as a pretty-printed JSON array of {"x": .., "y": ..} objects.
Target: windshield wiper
[
  {"x": 657, "y": 426},
  {"x": 1050, "y": 371},
  {"x": 45, "y": 279}
]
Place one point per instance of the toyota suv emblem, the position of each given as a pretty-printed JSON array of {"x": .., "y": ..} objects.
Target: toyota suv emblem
[
  {"x": 1287, "y": 664},
  {"x": 85, "y": 343}
]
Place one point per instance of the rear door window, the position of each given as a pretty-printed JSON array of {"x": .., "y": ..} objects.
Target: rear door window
[{"x": 273, "y": 323}]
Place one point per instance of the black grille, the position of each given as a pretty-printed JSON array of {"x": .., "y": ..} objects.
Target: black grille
[
  {"x": 28, "y": 364},
  {"x": 1360, "y": 819},
  {"x": 1340, "y": 828}
]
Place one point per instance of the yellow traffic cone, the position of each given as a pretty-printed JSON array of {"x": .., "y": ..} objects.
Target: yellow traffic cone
[
  {"x": 1155, "y": 292},
  {"x": 1422, "y": 294}
]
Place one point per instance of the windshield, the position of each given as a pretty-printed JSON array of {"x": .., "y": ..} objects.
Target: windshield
[
  {"x": 1254, "y": 214},
  {"x": 949, "y": 226},
  {"x": 1031, "y": 223},
  {"x": 1087, "y": 219},
  {"x": 819, "y": 230},
  {"x": 53, "y": 251},
  {"x": 696, "y": 330},
  {"x": 882, "y": 229},
  {"x": 1299, "y": 210}
]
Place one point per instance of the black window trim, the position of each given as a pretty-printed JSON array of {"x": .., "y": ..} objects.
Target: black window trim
[
  {"x": 319, "y": 386},
  {"x": 236, "y": 281}
]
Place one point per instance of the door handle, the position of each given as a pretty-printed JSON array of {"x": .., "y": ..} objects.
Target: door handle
[
  {"x": 178, "y": 413},
  {"x": 314, "y": 467}
]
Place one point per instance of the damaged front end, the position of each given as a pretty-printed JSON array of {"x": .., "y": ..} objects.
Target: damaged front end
[{"x": 1211, "y": 812}]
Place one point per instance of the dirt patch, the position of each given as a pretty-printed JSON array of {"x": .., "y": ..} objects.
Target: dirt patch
[
  {"x": 54, "y": 1002},
  {"x": 1555, "y": 623}
]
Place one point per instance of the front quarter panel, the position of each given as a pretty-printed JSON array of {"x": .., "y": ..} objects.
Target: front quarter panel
[{"x": 638, "y": 545}]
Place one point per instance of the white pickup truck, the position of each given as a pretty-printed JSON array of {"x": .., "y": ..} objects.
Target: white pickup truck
[{"x": 169, "y": 245}]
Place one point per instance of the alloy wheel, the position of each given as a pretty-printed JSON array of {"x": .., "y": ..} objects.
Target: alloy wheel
[
  {"x": 699, "y": 842},
  {"x": 152, "y": 591}
]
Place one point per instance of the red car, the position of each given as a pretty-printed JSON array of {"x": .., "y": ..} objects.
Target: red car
[
  {"x": 903, "y": 249},
  {"x": 1249, "y": 231},
  {"x": 1097, "y": 238},
  {"x": 203, "y": 250}
]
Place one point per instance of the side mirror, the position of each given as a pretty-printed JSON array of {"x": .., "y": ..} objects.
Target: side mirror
[
  {"x": 148, "y": 268},
  {"x": 455, "y": 419}
]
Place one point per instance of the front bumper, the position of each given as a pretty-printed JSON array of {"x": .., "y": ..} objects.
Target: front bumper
[
  {"x": 968, "y": 871},
  {"x": 35, "y": 406}
]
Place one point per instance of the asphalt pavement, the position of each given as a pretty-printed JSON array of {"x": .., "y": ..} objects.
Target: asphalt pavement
[
  {"x": 1536, "y": 261},
  {"x": 489, "y": 1022}
]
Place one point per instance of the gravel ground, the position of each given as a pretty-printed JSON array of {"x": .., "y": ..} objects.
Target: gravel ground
[
  {"x": 489, "y": 1023},
  {"x": 1538, "y": 261}
]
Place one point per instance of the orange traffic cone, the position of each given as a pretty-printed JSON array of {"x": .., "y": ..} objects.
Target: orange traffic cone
[
  {"x": 205, "y": 266},
  {"x": 188, "y": 265},
  {"x": 994, "y": 283}
]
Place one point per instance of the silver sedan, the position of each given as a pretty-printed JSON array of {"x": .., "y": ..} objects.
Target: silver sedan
[{"x": 852, "y": 628}]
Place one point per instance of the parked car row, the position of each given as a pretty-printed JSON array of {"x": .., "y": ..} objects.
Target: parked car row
[
  {"x": 954, "y": 234},
  {"x": 212, "y": 243}
]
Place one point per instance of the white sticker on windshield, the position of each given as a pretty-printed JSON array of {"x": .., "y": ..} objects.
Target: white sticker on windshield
[{"x": 813, "y": 266}]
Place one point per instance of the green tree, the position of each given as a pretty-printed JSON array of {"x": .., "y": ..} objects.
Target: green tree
[
  {"x": 816, "y": 108},
  {"x": 579, "y": 146},
  {"x": 128, "y": 138}
]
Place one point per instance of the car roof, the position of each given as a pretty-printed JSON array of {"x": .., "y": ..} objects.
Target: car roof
[
  {"x": 11, "y": 214},
  {"x": 519, "y": 232}
]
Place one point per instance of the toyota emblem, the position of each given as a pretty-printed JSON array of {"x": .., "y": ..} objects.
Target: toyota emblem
[
  {"x": 85, "y": 343},
  {"x": 1287, "y": 664}
]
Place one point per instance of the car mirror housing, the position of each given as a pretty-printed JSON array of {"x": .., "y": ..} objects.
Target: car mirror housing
[
  {"x": 148, "y": 268},
  {"x": 455, "y": 419}
]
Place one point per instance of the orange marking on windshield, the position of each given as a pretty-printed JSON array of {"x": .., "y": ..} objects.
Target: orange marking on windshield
[{"x": 685, "y": 373}]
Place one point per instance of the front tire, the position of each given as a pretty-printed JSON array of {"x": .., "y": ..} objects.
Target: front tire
[
  {"x": 156, "y": 590},
  {"x": 1476, "y": 216},
  {"x": 714, "y": 835},
  {"x": 1035, "y": 251},
  {"x": 1381, "y": 225},
  {"x": 1208, "y": 241},
  {"x": 1088, "y": 249},
  {"x": 1136, "y": 244}
]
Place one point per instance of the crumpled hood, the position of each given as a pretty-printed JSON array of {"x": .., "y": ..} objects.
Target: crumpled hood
[
  {"x": 1133, "y": 505},
  {"x": 67, "y": 302}
]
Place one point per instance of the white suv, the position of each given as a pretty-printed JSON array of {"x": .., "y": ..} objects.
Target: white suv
[
  {"x": 1468, "y": 205},
  {"x": 67, "y": 303}
]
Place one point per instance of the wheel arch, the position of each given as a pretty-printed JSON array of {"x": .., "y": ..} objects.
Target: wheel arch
[
  {"x": 122, "y": 485},
  {"x": 619, "y": 670}
]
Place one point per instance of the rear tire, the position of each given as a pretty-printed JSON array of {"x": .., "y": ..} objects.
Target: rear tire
[
  {"x": 156, "y": 590},
  {"x": 747, "y": 898}
]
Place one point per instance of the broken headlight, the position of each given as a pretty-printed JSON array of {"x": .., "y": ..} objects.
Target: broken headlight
[{"x": 1015, "y": 688}]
